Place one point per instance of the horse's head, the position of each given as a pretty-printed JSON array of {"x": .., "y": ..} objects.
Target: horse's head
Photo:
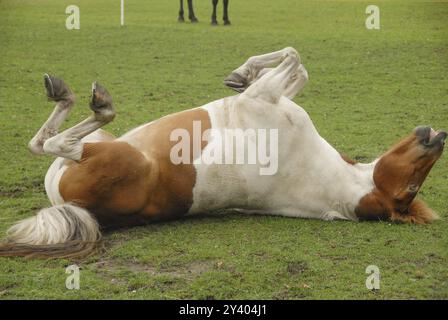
[{"x": 398, "y": 176}]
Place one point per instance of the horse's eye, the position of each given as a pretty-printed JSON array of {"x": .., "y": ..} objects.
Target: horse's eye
[{"x": 413, "y": 188}]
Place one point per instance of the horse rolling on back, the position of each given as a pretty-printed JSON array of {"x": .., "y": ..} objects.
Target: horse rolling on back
[{"x": 99, "y": 181}]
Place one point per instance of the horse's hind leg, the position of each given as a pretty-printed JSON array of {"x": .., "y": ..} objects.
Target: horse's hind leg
[
  {"x": 68, "y": 144},
  {"x": 59, "y": 92},
  {"x": 226, "y": 13},
  {"x": 191, "y": 14},
  {"x": 214, "y": 20}
]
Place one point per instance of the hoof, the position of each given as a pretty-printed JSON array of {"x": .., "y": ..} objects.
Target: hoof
[
  {"x": 227, "y": 23},
  {"x": 236, "y": 82},
  {"x": 100, "y": 97},
  {"x": 57, "y": 90},
  {"x": 180, "y": 19},
  {"x": 194, "y": 20},
  {"x": 214, "y": 23}
]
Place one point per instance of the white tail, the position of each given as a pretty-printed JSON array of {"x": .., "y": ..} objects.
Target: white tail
[{"x": 59, "y": 231}]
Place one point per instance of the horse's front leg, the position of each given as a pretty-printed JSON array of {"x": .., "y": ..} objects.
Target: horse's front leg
[
  {"x": 257, "y": 67},
  {"x": 181, "y": 12},
  {"x": 296, "y": 83},
  {"x": 273, "y": 84}
]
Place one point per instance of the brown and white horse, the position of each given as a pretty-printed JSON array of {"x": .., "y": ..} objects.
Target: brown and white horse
[{"x": 99, "y": 181}]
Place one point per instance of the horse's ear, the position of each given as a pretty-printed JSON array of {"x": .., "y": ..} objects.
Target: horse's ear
[
  {"x": 372, "y": 207},
  {"x": 418, "y": 213}
]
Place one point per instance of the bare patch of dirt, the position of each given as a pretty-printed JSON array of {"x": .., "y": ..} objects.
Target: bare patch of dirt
[
  {"x": 13, "y": 192},
  {"x": 187, "y": 271},
  {"x": 297, "y": 267},
  {"x": 16, "y": 191}
]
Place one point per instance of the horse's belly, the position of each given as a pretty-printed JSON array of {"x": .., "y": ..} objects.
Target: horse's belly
[
  {"x": 52, "y": 178},
  {"x": 217, "y": 187}
]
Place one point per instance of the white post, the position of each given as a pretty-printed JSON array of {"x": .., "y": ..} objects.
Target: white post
[{"x": 122, "y": 12}]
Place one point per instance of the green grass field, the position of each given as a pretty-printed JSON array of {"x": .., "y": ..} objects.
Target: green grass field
[{"x": 367, "y": 89}]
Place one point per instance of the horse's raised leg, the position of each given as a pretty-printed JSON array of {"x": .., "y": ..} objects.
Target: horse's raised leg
[
  {"x": 214, "y": 20},
  {"x": 258, "y": 66},
  {"x": 249, "y": 72},
  {"x": 68, "y": 144},
  {"x": 181, "y": 12},
  {"x": 191, "y": 15},
  {"x": 297, "y": 82},
  {"x": 271, "y": 86},
  {"x": 59, "y": 92},
  {"x": 65, "y": 229},
  {"x": 226, "y": 13}
]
